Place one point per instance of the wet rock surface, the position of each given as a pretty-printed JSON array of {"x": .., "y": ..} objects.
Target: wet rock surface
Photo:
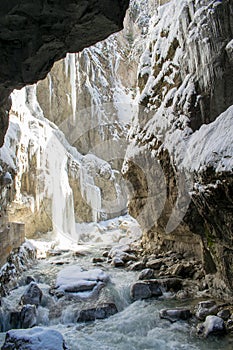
[
  {"x": 206, "y": 308},
  {"x": 174, "y": 315},
  {"x": 28, "y": 317},
  {"x": 99, "y": 312},
  {"x": 32, "y": 295},
  {"x": 145, "y": 290}
]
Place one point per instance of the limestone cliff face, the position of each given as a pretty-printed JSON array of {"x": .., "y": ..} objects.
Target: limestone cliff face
[
  {"x": 33, "y": 35},
  {"x": 85, "y": 97},
  {"x": 54, "y": 186},
  {"x": 185, "y": 81},
  {"x": 90, "y": 95}
]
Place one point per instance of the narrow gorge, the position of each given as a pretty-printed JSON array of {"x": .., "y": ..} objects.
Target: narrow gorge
[{"x": 116, "y": 166}]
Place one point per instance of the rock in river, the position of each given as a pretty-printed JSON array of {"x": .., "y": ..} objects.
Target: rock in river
[
  {"x": 32, "y": 295},
  {"x": 213, "y": 325},
  {"x": 99, "y": 312},
  {"x": 144, "y": 289},
  {"x": 34, "y": 339},
  {"x": 74, "y": 280},
  {"x": 174, "y": 315}
]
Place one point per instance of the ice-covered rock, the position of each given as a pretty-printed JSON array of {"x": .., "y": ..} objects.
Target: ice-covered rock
[{"x": 179, "y": 160}]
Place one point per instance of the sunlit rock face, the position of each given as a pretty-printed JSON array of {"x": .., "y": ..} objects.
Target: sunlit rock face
[
  {"x": 53, "y": 185},
  {"x": 89, "y": 96},
  {"x": 33, "y": 35},
  {"x": 181, "y": 171}
]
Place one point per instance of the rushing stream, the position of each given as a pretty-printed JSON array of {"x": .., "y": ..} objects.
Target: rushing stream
[{"x": 136, "y": 326}]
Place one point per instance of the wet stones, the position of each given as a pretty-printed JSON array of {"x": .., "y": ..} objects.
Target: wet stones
[
  {"x": 137, "y": 266},
  {"x": 224, "y": 314},
  {"x": 205, "y": 308},
  {"x": 174, "y": 315},
  {"x": 34, "y": 339},
  {"x": 28, "y": 316},
  {"x": 97, "y": 260},
  {"x": 99, "y": 312},
  {"x": 117, "y": 262},
  {"x": 32, "y": 295},
  {"x": 146, "y": 274},
  {"x": 121, "y": 255},
  {"x": 145, "y": 290},
  {"x": 154, "y": 264},
  {"x": 29, "y": 279}
]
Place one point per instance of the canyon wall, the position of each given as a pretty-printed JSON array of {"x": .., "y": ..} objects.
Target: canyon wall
[
  {"x": 54, "y": 186},
  {"x": 33, "y": 35},
  {"x": 166, "y": 81},
  {"x": 180, "y": 169}
]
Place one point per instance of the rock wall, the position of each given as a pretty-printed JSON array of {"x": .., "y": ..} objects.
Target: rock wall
[
  {"x": 181, "y": 171},
  {"x": 12, "y": 236},
  {"x": 90, "y": 95},
  {"x": 54, "y": 186}
]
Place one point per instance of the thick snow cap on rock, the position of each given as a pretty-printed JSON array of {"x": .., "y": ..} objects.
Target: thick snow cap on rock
[
  {"x": 212, "y": 145},
  {"x": 73, "y": 276},
  {"x": 34, "y": 339}
]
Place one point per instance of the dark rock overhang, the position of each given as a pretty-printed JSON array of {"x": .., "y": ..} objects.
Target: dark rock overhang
[{"x": 36, "y": 33}]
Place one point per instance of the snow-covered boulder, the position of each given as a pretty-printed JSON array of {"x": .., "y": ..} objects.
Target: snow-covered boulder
[
  {"x": 213, "y": 325},
  {"x": 34, "y": 339},
  {"x": 78, "y": 282}
]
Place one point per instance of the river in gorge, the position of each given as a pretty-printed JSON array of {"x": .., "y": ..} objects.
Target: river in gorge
[{"x": 136, "y": 326}]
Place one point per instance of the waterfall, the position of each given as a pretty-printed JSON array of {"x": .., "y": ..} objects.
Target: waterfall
[{"x": 43, "y": 155}]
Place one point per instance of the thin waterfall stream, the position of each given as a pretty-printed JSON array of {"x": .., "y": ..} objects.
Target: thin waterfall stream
[{"x": 136, "y": 325}]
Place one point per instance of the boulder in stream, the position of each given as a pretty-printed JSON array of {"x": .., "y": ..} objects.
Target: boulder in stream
[
  {"x": 146, "y": 274},
  {"x": 28, "y": 316},
  {"x": 213, "y": 325},
  {"x": 174, "y": 315},
  {"x": 206, "y": 308},
  {"x": 145, "y": 289},
  {"x": 73, "y": 280},
  {"x": 99, "y": 312},
  {"x": 32, "y": 295},
  {"x": 36, "y": 338}
]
